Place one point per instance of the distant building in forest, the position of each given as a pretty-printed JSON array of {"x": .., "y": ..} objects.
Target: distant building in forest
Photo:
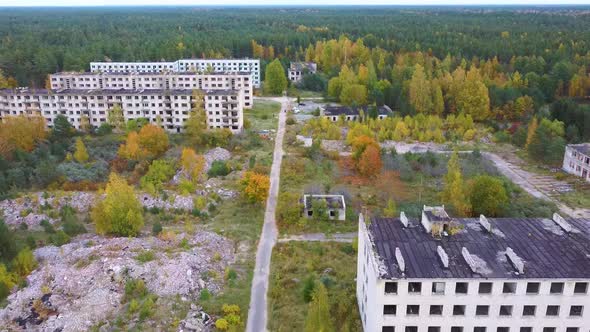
[
  {"x": 576, "y": 160},
  {"x": 298, "y": 69},
  {"x": 349, "y": 113},
  {"x": 251, "y": 66}
]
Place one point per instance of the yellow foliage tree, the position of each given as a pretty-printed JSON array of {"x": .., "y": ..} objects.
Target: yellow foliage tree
[
  {"x": 21, "y": 132},
  {"x": 80, "y": 155},
  {"x": 120, "y": 212},
  {"x": 192, "y": 164},
  {"x": 255, "y": 186},
  {"x": 454, "y": 190},
  {"x": 150, "y": 142}
]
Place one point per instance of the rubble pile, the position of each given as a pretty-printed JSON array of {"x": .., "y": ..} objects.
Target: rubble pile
[
  {"x": 82, "y": 283},
  {"x": 215, "y": 154}
]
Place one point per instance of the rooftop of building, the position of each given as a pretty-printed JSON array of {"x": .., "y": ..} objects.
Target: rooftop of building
[
  {"x": 124, "y": 73},
  {"x": 171, "y": 62},
  {"x": 100, "y": 92},
  {"x": 332, "y": 201},
  {"x": 546, "y": 248},
  {"x": 312, "y": 66},
  {"x": 583, "y": 148},
  {"x": 348, "y": 110}
]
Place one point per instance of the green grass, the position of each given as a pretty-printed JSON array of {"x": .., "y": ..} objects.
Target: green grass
[
  {"x": 294, "y": 92},
  {"x": 293, "y": 264},
  {"x": 579, "y": 198},
  {"x": 263, "y": 115}
]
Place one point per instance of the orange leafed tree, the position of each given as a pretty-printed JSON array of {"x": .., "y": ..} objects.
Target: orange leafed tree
[
  {"x": 369, "y": 164},
  {"x": 21, "y": 132},
  {"x": 150, "y": 142},
  {"x": 255, "y": 187},
  {"x": 360, "y": 143}
]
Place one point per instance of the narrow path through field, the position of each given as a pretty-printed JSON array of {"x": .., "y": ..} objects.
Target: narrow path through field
[{"x": 257, "y": 313}]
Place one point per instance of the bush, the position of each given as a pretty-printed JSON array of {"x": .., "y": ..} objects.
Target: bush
[
  {"x": 157, "y": 228},
  {"x": 218, "y": 168},
  {"x": 47, "y": 227},
  {"x": 290, "y": 121},
  {"x": 75, "y": 172},
  {"x": 60, "y": 238},
  {"x": 71, "y": 226},
  {"x": 145, "y": 256},
  {"x": 186, "y": 187},
  {"x": 104, "y": 129},
  {"x": 24, "y": 263},
  {"x": 308, "y": 288},
  {"x": 204, "y": 295}
]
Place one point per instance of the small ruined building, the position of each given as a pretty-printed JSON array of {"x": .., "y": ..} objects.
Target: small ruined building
[
  {"x": 333, "y": 206},
  {"x": 442, "y": 274},
  {"x": 298, "y": 69},
  {"x": 576, "y": 160},
  {"x": 348, "y": 113}
]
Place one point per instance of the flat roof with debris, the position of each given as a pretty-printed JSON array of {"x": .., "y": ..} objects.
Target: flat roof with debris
[
  {"x": 494, "y": 247},
  {"x": 333, "y": 201},
  {"x": 583, "y": 148}
]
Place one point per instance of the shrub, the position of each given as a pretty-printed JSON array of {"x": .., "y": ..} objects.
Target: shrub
[
  {"x": 135, "y": 289},
  {"x": 60, "y": 238},
  {"x": 221, "y": 324},
  {"x": 24, "y": 263},
  {"x": 186, "y": 187},
  {"x": 218, "y": 168},
  {"x": 145, "y": 256},
  {"x": 120, "y": 212},
  {"x": 204, "y": 295},
  {"x": 47, "y": 227},
  {"x": 157, "y": 228},
  {"x": 290, "y": 121},
  {"x": 71, "y": 226},
  {"x": 308, "y": 288},
  {"x": 147, "y": 308}
]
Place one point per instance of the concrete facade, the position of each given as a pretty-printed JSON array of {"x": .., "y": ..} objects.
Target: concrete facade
[
  {"x": 224, "y": 108},
  {"x": 576, "y": 160},
  {"x": 160, "y": 81},
  {"x": 251, "y": 66}
]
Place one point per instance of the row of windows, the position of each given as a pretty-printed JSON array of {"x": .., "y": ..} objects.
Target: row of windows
[
  {"x": 479, "y": 329},
  {"x": 439, "y": 288},
  {"x": 484, "y": 310}
]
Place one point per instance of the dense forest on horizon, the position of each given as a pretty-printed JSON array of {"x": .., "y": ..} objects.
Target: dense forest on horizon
[{"x": 38, "y": 41}]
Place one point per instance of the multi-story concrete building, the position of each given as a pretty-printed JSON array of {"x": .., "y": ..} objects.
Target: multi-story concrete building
[
  {"x": 298, "y": 69},
  {"x": 171, "y": 107},
  {"x": 576, "y": 160},
  {"x": 251, "y": 66},
  {"x": 441, "y": 274},
  {"x": 159, "y": 81}
]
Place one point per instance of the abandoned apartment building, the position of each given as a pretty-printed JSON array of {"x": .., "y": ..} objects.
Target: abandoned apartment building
[
  {"x": 576, "y": 160},
  {"x": 443, "y": 274}
]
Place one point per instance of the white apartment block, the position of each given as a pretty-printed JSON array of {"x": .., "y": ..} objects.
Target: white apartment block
[
  {"x": 163, "y": 80},
  {"x": 172, "y": 107},
  {"x": 298, "y": 69},
  {"x": 441, "y": 274},
  {"x": 576, "y": 160},
  {"x": 251, "y": 66}
]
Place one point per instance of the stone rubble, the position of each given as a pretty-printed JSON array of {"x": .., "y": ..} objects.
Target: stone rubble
[
  {"x": 81, "y": 201},
  {"x": 82, "y": 283},
  {"x": 213, "y": 155}
]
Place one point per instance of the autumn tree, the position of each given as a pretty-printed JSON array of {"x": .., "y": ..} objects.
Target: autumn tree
[
  {"x": 420, "y": 91},
  {"x": 159, "y": 172},
  {"x": 255, "y": 186},
  {"x": 120, "y": 212},
  {"x": 150, "y": 142},
  {"x": 196, "y": 125},
  {"x": 487, "y": 196},
  {"x": 354, "y": 94},
  {"x": 80, "y": 155},
  {"x": 473, "y": 97},
  {"x": 116, "y": 118},
  {"x": 318, "y": 313},
  {"x": 192, "y": 164},
  {"x": 360, "y": 144},
  {"x": 391, "y": 210},
  {"x": 369, "y": 165},
  {"x": 275, "y": 81},
  {"x": 454, "y": 189},
  {"x": 531, "y": 129},
  {"x": 21, "y": 132}
]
